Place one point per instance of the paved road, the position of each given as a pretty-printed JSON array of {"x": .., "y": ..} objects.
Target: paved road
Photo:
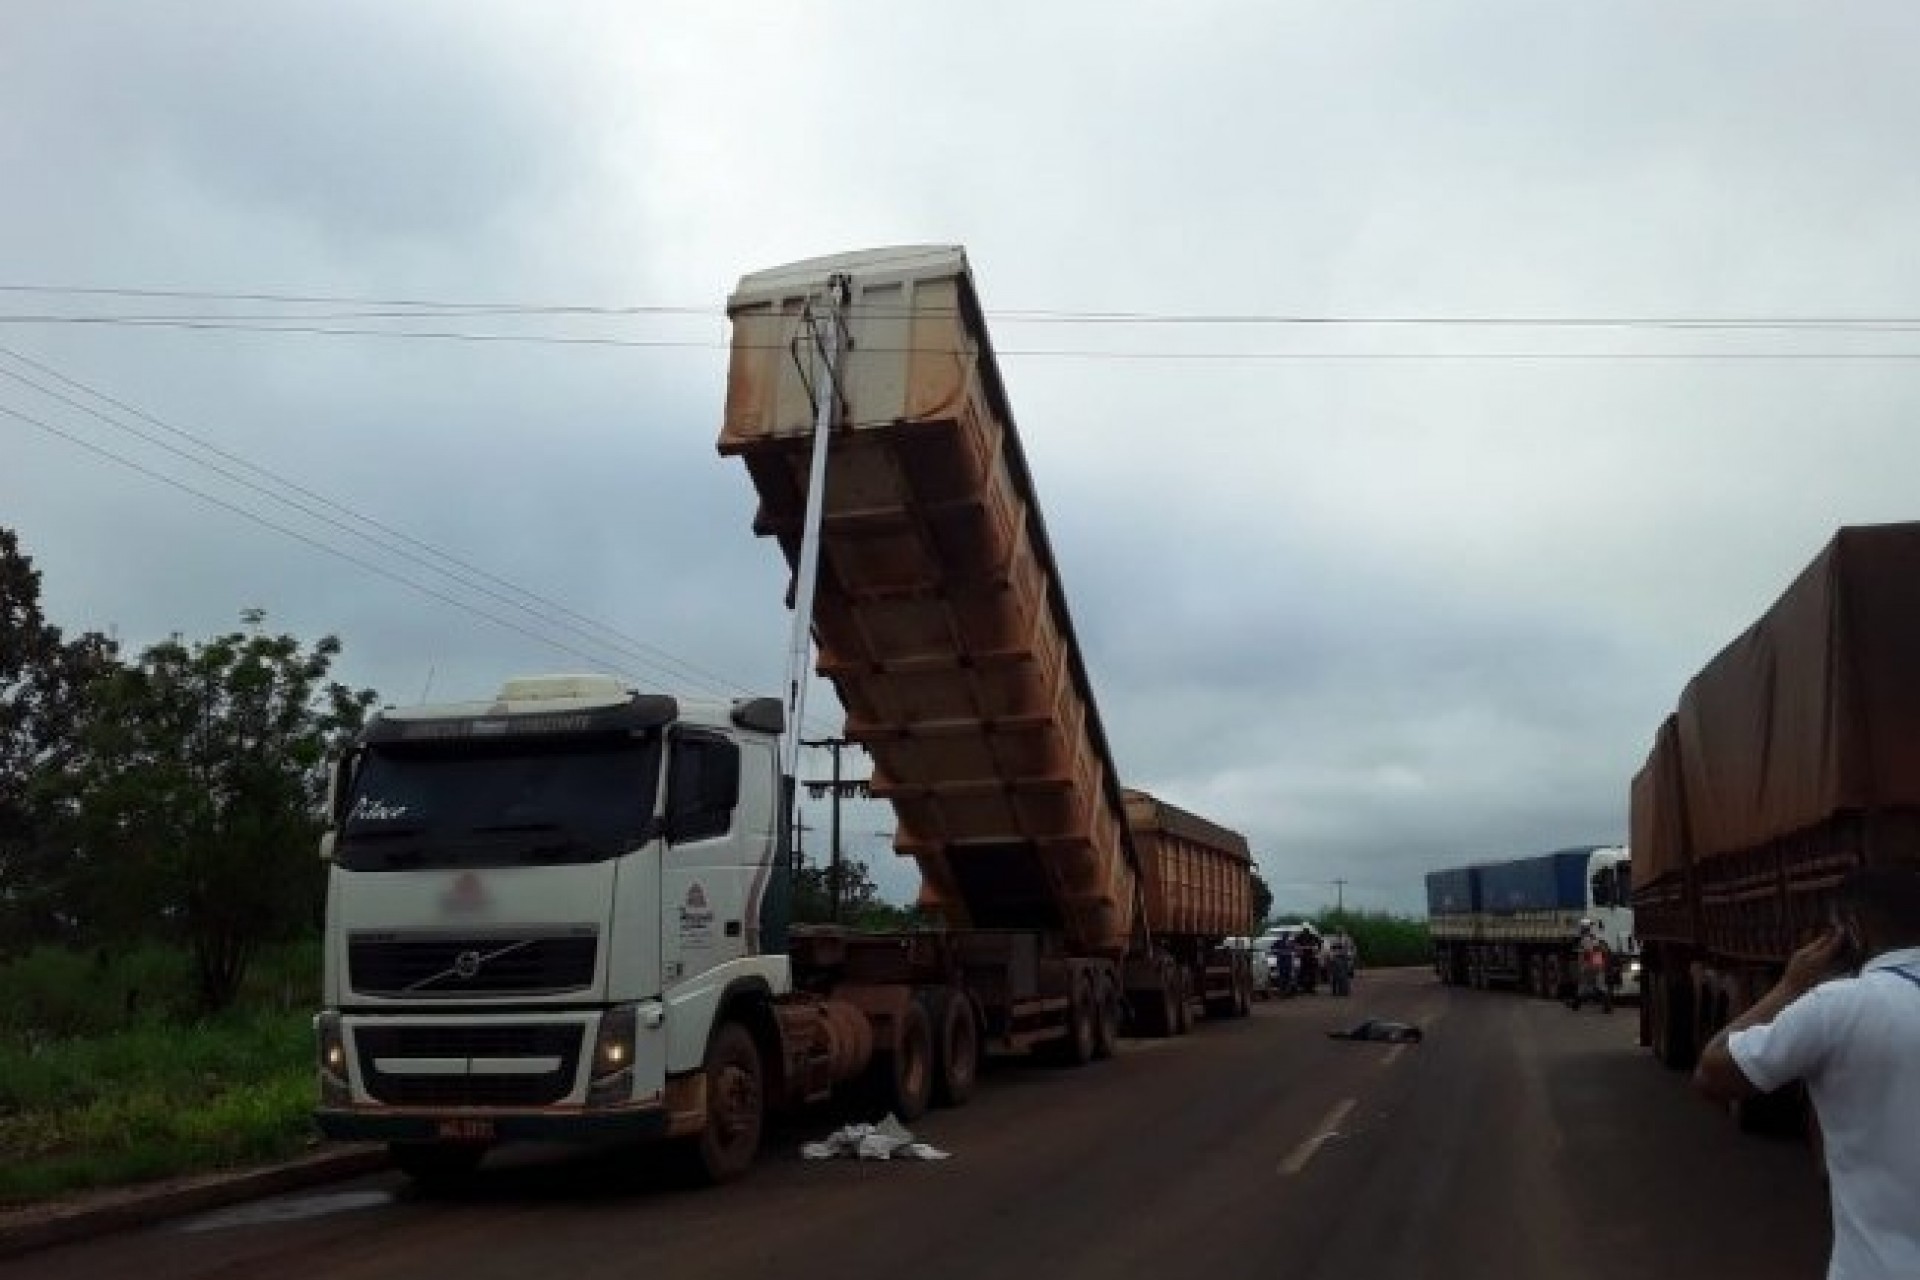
[{"x": 1519, "y": 1141}]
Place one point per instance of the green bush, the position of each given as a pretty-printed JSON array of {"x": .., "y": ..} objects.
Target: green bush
[{"x": 153, "y": 1100}]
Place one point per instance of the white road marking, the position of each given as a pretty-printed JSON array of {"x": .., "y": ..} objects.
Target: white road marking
[
  {"x": 1393, "y": 1054},
  {"x": 1297, "y": 1161}
]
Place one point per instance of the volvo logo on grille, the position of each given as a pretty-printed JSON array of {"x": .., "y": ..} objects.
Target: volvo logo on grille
[{"x": 467, "y": 963}]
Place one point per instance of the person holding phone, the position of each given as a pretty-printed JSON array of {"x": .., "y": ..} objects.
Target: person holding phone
[{"x": 1855, "y": 1043}]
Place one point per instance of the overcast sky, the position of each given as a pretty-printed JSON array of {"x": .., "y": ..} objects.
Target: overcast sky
[{"x": 1382, "y": 597}]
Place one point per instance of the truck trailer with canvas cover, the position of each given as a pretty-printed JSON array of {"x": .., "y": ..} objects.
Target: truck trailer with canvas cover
[
  {"x": 1792, "y": 758},
  {"x": 561, "y": 913},
  {"x": 1519, "y": 922}
]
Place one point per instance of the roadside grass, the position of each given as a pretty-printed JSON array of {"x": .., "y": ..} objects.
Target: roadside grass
[{"x": 92, "y": 1105}]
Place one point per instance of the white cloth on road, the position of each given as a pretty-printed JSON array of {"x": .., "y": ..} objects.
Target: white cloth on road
[
  {"x": 888, "y": 1140},
  {"x": 1856, "y": 1043}
]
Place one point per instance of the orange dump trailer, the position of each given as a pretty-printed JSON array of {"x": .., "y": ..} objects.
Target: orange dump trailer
[{"x": 943, "y": 626}]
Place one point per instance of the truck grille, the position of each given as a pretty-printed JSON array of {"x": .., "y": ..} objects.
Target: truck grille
[
  {"x": 397, "y": 1088},
  {"x": 441, "y": 967}
]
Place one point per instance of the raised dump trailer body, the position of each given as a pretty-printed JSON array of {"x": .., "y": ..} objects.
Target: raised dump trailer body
[
  {"x": 1792, "y": 758},
  {"x": 939, "y": 612},
  {"x": 1517, "y": 922}
]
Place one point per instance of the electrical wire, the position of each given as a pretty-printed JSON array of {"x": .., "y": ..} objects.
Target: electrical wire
[
  {"x": 611, "y": 638},
  {"x": 414, "y": 306},
  {"x": 1064, "y": 353},
  {"x": 619, "y": 642}
]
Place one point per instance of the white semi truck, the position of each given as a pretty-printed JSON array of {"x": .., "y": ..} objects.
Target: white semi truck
[{"x": 561, "y": 913}]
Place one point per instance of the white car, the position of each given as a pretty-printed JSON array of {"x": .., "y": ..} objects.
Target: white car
[{"x": 1262, "y": 973}]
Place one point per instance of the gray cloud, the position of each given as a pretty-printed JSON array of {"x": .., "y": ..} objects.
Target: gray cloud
[{"x": 1378, "y": 614}]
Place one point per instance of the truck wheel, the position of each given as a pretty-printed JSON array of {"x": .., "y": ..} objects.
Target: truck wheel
[
  {"x": 436, "y": 1166},
  {"x": 1242, "y": 993},
  {"x": 1106, "y": 1025},
  {"x": 1182, "y": 1003},
  {"x": 736, "y": 1107},
  {"x": 956, "y": 1045},
  {"x": 1075, "y": 1049},
  {"x": 901, "y": 1078}
]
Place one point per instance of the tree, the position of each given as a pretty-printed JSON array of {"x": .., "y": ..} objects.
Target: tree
[
  {"x": 44, "y": 684},
  {"x": 196, "y": 806},
  {"x": 861, "y": 905},
  {"x": 1262, "y": 900}
]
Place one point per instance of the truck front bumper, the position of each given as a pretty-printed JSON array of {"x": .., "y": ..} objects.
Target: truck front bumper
[{"x": 388, "y": 1124}]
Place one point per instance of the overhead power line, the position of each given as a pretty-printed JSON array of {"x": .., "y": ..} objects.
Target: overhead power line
[
  {"x": 551, "y": 615},
  {"x": 413, "y": 307},
  {"x": 1065, "y": 353}
]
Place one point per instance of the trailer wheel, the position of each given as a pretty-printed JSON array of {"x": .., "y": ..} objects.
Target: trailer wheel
[
  {"x": 436, "y": 1166},
  {"x": 956, "y": 1045},
  {"x": 1182, "y": 1003},
  {"x": 901, "y": 1078},
  {"x": 1075, "y": 1049},
  {"x": 1106, "y": 1026},
  {"x": 1242, "y": 992},
  {"x": 736, "y": 1108}
]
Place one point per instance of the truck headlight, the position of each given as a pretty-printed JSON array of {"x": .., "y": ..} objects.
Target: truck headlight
[
  {"x": 613, "y": 1053},
  {"x": 330, "y": 1047}
]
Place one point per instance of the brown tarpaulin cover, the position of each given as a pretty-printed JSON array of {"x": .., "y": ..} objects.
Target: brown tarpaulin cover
[
  {"x": 1812, "y": 712},
  {"x": 1659, "y": 833}
]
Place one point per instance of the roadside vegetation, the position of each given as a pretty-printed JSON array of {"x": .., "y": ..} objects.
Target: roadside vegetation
[
  {"x": 159, "y": 893},
  {"x": 1384, "y": 940},
  {"x": 110, "y": 1073}
]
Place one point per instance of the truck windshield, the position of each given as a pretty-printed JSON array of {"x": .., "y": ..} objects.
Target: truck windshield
[{"x": 501, "y": 803}]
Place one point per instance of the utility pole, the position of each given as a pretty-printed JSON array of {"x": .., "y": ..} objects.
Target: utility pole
[
  {"x": 1340, "y": 896},
  {"x": 840, "y": 788}
]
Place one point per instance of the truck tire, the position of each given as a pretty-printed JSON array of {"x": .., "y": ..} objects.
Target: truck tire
[
  {"x": 1242, "y": 992},
  {"x": 728, "y": 1143},
  {"x": 436, "y": 1166},
  {"x": 901, "y": 1078},
  {"x": 1182, "y": 1003},
  {"x": 1106, "y": 1026},
  {"x": 1075, "y": 1049},
  {"x": 956, "y": 1045}
]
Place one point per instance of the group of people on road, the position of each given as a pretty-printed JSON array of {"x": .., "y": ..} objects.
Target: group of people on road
[{"x": 1302, "y": 960}]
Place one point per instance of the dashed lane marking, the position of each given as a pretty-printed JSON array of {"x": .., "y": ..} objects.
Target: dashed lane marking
[{"x": 1309, "y": 1148}]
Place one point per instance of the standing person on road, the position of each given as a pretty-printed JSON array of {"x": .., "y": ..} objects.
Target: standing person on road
[
  {"x": 1855, "y": 1042},
  {"x": 1595, "y": 960},
  {"x": 1283, "y": 966},
  {"x": 1340, "y": 966}
]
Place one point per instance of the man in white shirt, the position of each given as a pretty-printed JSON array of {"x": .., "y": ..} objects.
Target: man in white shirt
[{"x": 1855, "y": 1042}]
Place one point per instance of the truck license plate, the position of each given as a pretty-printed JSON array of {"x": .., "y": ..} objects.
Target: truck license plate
[{"x": 466, "y": 1130}]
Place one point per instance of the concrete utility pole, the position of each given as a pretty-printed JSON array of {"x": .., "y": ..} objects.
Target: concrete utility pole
[
  {"x": 1340, "y": 896},
  {"x": 840, "y": 788}
]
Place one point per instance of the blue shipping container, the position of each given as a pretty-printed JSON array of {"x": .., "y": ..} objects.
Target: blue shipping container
[{"x": 1548, "y": 882}]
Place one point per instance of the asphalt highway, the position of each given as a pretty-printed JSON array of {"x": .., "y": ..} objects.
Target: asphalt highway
[{"x": 1519, "y": 1140}]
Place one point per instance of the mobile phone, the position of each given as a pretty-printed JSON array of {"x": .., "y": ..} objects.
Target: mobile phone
[{"x": 1852, "y": 954}]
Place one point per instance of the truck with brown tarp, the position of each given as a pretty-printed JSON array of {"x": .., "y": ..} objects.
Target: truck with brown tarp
[
  {"x": 561, "y": 913},
  {"x": 1792, "y": 758}
]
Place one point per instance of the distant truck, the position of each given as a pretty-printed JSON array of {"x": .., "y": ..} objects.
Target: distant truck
[
  {"x": 1517, "y": 923},
  {"x": 1792, "y": 758},
  {"x": 560, "y": 913}
]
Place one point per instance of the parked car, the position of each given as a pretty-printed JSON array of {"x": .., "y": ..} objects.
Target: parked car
[{"x": 1262, "y": 971}]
